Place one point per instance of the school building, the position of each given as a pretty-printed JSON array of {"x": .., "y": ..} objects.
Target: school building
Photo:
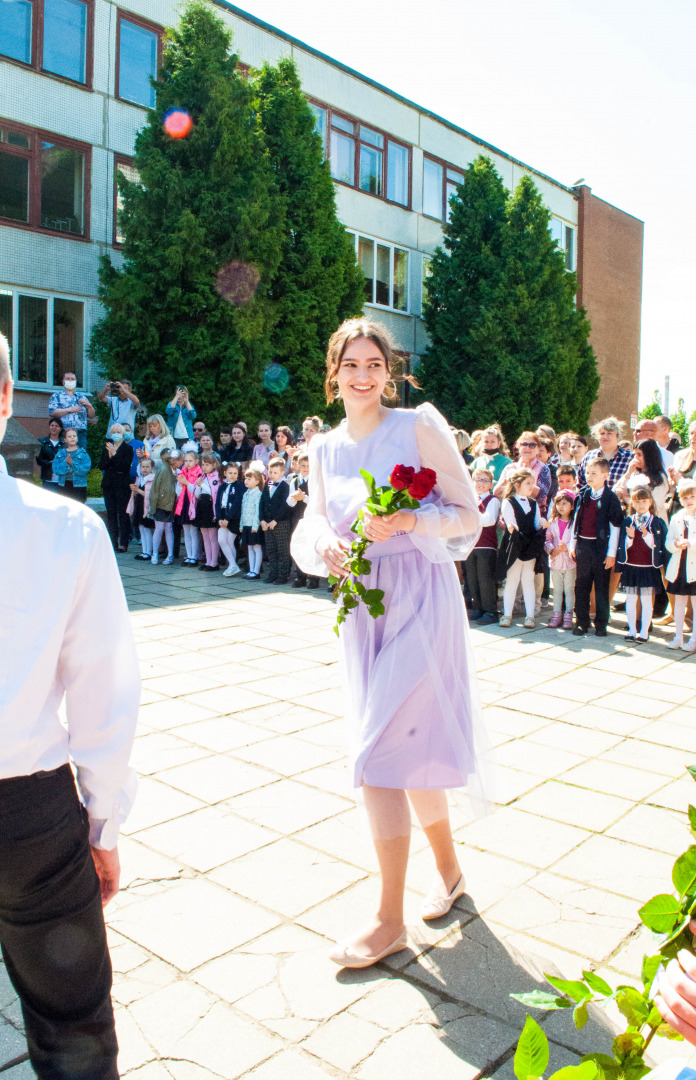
[{"x": 75, "y": 89}]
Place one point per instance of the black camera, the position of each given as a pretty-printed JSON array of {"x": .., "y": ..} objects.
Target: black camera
[{"x": 115, "y": 389}]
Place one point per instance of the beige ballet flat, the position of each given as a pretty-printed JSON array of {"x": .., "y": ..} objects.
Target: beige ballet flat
[
  {"x": 435, "y": 906},
  {"x": 345, "y": 955}
]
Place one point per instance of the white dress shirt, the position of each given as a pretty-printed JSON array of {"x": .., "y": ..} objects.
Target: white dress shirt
[{"x": 65, "y": 633}]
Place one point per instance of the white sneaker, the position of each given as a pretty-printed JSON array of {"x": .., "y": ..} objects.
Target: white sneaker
[
  {"x": 675, "y": 643},
  {"x": 529, "y": 623},
  {"x": 690, "y": 645},
  {"x": 505, "y": 620},
  {"x": 231, "y": 571},
  {"x": 154, "y": 559},
  {"x": 168, "y": 561}
]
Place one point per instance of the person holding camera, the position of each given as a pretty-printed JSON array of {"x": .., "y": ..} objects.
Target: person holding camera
[
  {"x": 71, "y": 410},
  {"x": 115, "y": 464},
  {"x": 180, "y": 415},
  {"x": 122, "y": 403}
]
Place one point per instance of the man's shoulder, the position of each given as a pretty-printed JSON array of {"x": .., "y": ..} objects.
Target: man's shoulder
[{"x": 55, "y": 511}]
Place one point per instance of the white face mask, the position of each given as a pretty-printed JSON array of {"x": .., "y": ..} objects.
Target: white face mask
[{"x": 69, "y": 384}]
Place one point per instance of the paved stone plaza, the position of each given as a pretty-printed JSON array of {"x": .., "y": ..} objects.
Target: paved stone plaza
[{"x": 245, "y": 858}]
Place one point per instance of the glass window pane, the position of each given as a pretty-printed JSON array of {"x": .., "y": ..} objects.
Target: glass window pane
[
  {"x": 382, "y": 275},
  {"x": 342, "y": 158},
  {"x": 131, "y": 173},
  {"x": 556, "y": 230},
  {"x": 372, "y": 137},
  {"x": 13, "y": 138},
  {"x": 68, "y": 339},
  {"x": 15, "y": 29},
  {"x": 455, "y": 176},
  {"x": 62, "y": 185},
  {"x": 450, "y": 190},
  {"x": 319, "y": 123},
  {"x": 397, "y": 173},
  {"x": 366, "y": 262},
  {"x": 371, "y": 170},
  {"x": 432, "y": 188},
  {"x": 569, "y": 254},
  {"x": 400, "y": 293},
  {"x": 137, "y": 62},
  {"x": 343, "y": 125},
  {"x": 65, "y": 38},
  {"x": 427, "y": 271},
  {"x": 31, "y": 350},
  {"x": 14, "y": 187},
  {"x": 6, "y": 315}
]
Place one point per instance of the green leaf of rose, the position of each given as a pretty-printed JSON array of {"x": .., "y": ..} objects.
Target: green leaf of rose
[
  {"x": 684, "y": 871},
  {"x": 661, "y": 913},
  {"x": 586, "y": 1071},
  {"x": 692, "y": 818},
  {"x": 580, "y": 1016},
  {"x": 575, "y": 989},
  {"x": 691, "y": 769},
  {"x": 541, "y": 999},
  {"x": 632, "y": 1005},
  {"x": 598, "y": 985},
  {"x": 532, "y": 1053},
  {"x": 651, "y": 966}
]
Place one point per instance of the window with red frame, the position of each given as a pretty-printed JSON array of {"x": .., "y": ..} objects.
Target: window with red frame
[
  {"x": 44, "y": 180},
  {"x": 138, "y": 46},
  {"x": 439, "y": 185},
  {"x": 51, "y": 36},
  {"x": 363, "y": 157}
]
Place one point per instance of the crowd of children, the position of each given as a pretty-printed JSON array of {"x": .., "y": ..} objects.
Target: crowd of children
[{"x": 612, "y": 521}]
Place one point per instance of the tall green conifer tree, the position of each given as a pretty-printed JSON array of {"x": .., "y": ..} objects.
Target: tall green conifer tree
[
  {"x": 204, "y": 201},
  {"x": 318, "y": 283}
]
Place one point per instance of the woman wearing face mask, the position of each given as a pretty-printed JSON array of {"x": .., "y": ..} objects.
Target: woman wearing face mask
[
  {"x": 115, "y": 464},
  {"x": 71, "y": 410}
]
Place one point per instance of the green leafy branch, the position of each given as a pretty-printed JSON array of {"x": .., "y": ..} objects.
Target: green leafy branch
[
  {"x": 351, "y": 592},
  {"x": 667, "y": 914}
]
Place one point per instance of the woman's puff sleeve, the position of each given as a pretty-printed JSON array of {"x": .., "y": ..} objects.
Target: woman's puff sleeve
[{"x": 448, "y": 523}]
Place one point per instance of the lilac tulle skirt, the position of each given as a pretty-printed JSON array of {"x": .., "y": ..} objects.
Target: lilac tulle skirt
[{"x": 410, "y": 683}]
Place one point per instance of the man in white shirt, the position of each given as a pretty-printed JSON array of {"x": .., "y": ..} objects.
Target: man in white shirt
[
  {"x": 122, "y": 402},
  {"x": 64, "y": 634},
  {"x": 647, "y": 429}
]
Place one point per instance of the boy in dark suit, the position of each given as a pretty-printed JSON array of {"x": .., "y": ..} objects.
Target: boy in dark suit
[
  {"x": 276, "y": 515},
  {"x": 297, "y": 500},
  {"x": 593, "y": 545}
]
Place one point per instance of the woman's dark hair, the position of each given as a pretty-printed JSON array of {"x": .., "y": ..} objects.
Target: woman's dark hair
[
  {"x": 56, "y": 420},
  {"x": 287, "y": 433},
  {"x": 652, "y": 458}
]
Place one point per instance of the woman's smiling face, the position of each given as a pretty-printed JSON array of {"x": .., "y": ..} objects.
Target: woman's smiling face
[{"x": 362, "y": 373}]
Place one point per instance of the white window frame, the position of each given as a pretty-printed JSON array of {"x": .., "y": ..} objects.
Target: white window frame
[
  {"x": 18, "y": 291},
  {"x": 561, "y": 247},
  {"x": 392, "y": 246}
]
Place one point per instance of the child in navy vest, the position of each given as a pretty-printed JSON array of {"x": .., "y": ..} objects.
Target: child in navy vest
[
  {"x": 481, "y": 564},
  {"x": 640, "y": 555},
  {"x": 228, "y": 511},
  {"x": 594, "y": 542}
]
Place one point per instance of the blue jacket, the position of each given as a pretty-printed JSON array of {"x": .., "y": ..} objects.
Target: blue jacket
[
  {"x": 81, "y": 464},
  {"x": 172, "y": 414}
]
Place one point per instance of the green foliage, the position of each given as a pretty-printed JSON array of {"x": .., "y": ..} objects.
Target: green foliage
[
  {"x": 507, "y": 342},
  {"x": 653, "y": 409},
  {"x": 664, "y": 914},
  {"x": 94, "y": 484},
  {"x": 317, "y": 284},
  {"x": 680, "y": 424},
  {"x": 205, "y": 201}
]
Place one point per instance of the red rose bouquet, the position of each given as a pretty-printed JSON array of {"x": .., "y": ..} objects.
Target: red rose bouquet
[{"x": 405, "y": 491}]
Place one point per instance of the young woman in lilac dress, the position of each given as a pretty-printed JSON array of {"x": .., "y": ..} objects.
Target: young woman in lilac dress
[{"x": 409, "y": 675}]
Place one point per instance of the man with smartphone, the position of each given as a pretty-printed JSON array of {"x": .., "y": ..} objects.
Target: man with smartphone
[{"x": 122, "y": 402}]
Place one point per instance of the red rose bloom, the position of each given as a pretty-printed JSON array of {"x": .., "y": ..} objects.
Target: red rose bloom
[
  {"x": 401, "y": 477},
  {"x": 422, "y": 484}
]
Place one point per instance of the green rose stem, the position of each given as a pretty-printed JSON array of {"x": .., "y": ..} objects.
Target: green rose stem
[
  {"x": 666, "y": 914},
  {"x": 349, "y": 590}
]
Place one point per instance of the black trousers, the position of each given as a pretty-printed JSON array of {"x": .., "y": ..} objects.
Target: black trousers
[
  {"x": 52, "y": 928},
  {"x": 589, "y": 557},
  {"x": 480, "y": 575},
  {"x": 277, "y": 550},
  {"x": 116, "y": 501}
]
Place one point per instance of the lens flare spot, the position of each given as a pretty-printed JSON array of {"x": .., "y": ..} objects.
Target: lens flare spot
[
  {"x": 237, "y": 282},
  {"x": 276, "y": 378},
  {"x": 177, "y": 123}
]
